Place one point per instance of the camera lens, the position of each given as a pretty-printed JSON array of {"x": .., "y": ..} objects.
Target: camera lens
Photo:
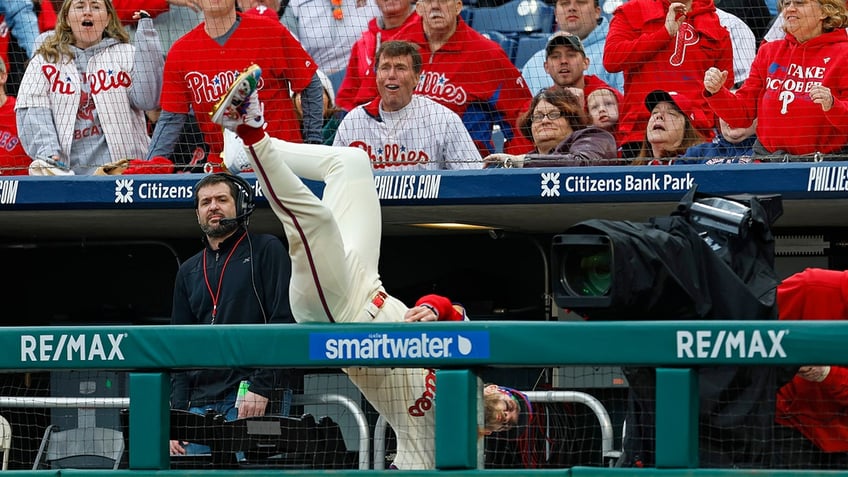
[{"x": 586, "y": 270}]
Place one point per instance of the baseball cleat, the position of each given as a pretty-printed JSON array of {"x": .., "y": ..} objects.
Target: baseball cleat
[{"x": 240, "y": 104}]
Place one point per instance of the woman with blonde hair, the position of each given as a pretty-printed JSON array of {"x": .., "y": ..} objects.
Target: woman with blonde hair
[
  {"x": 83, "y": 96},
  {"x": 798, "y": 87}
]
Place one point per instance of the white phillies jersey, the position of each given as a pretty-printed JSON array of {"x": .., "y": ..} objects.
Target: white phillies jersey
[
  {"x": 423, "y": 135},
  {"x": 405, "y": 397}
]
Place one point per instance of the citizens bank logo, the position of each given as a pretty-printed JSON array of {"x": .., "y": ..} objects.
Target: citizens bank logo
[
  {"x": 124, "y": 191},
  {"x": 550, "y": 184},
  {"x": 403, "y": 345}
]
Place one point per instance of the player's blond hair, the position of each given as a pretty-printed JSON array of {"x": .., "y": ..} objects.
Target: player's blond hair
[{"x": 491, "y": 412}]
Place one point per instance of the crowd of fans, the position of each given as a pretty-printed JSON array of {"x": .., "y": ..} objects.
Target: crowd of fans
[
  {"x": 124, "y": 86},
  {"x": 106, "y": 87}
]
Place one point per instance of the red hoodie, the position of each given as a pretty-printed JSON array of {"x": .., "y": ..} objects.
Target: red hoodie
[
  {"x": 472, "y": 76},
  {"x": 777, "y": 93},
  {"x": 360, "y": 85},
  {"x": 819, "y": 411},
  {"x": 639, "y": 45}
]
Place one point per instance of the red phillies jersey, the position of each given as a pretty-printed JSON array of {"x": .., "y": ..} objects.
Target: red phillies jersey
[
  {"x": 13, "y": 159},
  {"x": 198, "y": 72},
  {"x": 473, "y": 77}
]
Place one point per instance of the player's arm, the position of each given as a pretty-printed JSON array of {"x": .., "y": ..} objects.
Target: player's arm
[{"x": 435, "y": 308}]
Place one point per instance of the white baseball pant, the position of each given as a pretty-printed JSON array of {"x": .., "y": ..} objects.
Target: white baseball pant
[{"x": 334, "y": 242}]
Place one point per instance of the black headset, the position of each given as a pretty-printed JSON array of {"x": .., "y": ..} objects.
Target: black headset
[{"x": 245, "y": 201}]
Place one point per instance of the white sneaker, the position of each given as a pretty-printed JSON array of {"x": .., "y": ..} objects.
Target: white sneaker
[
  {"x": 240, "y": 104},
  {"x": 234, "y": 157}
]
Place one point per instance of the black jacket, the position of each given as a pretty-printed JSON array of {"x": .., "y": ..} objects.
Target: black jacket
[{"x": 257, "y": 259}]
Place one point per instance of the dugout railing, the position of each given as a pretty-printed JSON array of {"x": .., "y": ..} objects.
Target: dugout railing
[
  {"x": 457, "y": 349},
  {"x": 608, "y": 454},
  {"x": 362, "y": 427}
]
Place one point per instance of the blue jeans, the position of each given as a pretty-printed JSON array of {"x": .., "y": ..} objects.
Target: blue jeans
[{"x": 227, "y": 407}]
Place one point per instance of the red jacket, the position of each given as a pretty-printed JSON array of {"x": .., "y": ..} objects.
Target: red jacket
[
  {"x": 359, "y": 85},
  {"x": 639, "y": 45},
  {"x": 819, "y": 411},
  {"x": 777, "y": 93},
  {"x": 472, "y": 76}
]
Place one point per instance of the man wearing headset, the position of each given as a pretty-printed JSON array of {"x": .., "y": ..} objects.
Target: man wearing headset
[
  {"x": 335, "y": 248},
  {"x": 238, "y": 278}
]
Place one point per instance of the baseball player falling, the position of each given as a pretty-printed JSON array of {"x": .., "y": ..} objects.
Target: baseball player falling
[{"x": 334, "y": 245}]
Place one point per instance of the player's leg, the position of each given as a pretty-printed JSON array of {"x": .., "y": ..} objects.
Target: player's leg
[
  {"x": 325, "y": 269},
  {"x": 349, "y": 194},
  {"x": 329, "y": 282},
  {"x": 323, "y": 286}
]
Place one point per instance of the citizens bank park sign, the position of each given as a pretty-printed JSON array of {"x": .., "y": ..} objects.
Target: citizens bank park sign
[{"x": 487, "y": 186}]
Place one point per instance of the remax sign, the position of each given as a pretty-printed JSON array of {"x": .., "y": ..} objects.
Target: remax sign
[
  {"x": 72, "y": 347},
  {"x": 731, "y": 344},
  {"x": 398, "y": 345}
]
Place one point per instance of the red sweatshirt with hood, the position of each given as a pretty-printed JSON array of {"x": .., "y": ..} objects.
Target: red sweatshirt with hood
[
  {"x": 777, "y": 93},
  {"x": 472, "y": 76},
  {"x": 639, "y": 45},
  {"x": 819, "y": 411},
  {"x": 359, "y": 85}
]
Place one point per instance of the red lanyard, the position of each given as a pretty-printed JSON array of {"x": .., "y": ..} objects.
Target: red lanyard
[{"x": 217, "y": 294}]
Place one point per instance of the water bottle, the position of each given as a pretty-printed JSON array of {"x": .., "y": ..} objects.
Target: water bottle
[
  {"x": 497, "y": 139},
  {"x": 242, "y": 391}
]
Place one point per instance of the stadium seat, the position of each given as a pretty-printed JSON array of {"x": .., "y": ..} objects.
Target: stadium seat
[
  {"x": 80, "y": 448},
  {"x": 507, "y": 44},
  {"x": 5, "y": 441},
  {"x": 515, "y": 17},
  {"x": 467, "y": 14},
  {"x": 527, "y": 46}
]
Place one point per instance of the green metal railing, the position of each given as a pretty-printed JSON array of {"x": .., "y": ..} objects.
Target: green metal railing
[{"x": 457, "y": 349}]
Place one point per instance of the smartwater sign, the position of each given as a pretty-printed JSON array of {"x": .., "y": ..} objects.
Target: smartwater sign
[{"x": 398, "y": 345}]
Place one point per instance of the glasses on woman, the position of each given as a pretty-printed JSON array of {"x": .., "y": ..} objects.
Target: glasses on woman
[{"x": 552, "y": 116}]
